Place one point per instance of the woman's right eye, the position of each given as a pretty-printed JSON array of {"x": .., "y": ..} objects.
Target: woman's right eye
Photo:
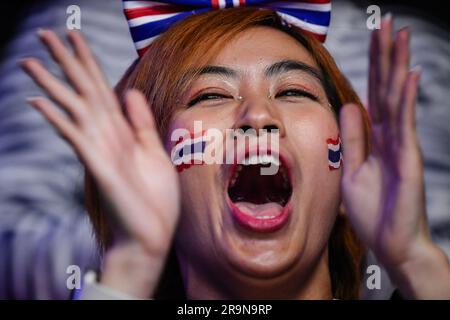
[{"x": 207, "y": 96}]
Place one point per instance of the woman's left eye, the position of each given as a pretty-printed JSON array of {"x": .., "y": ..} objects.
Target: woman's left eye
[{"x": 296, "y": 93}]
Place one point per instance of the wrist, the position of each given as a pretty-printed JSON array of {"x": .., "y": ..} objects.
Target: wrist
[
  {"x": 130, "y": 269},
  {"x": 425, "y": 274}
]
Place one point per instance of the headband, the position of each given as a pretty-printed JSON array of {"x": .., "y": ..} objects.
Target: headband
[{"x": 148, "y": 19}]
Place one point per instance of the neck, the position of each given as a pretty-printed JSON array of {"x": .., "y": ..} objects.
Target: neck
[{"x": 315, "y": 284}]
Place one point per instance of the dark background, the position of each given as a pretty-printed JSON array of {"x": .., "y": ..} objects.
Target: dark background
[{"x": 11, "y": 12}]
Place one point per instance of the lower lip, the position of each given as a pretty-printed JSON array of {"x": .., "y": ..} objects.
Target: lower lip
[{"x": 260, "y": 225}]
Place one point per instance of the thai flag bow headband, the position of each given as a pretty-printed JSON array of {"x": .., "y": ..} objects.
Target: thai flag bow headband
[{"x": 148, "y": 19}]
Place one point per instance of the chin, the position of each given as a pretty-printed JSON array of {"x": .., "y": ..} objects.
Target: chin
[{"x": 261, "y": 264}]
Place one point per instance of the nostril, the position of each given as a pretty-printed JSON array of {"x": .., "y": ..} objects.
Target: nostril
[
  {"x": 249, "y": 130},
  {"x": 246, "y": 128},
  {"x": 271, "y": 128}
]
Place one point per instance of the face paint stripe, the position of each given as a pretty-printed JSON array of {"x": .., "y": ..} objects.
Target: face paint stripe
[
  {"x": 334, "y": 141},
  {"x": 334, "y": 156},
  {"x": 334, "y": 153},
  {"x": 187, "y": 141},
  {"x": 188, "y": 151}
]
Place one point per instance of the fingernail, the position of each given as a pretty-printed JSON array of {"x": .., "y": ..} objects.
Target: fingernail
[
  {"x": 40, "y": 32},
  {"x": 32, "y": 99},
  {"x": 22, "y": 62},
  {"x": 417, "y": 68},
  {"x": 388, "y": 17}
]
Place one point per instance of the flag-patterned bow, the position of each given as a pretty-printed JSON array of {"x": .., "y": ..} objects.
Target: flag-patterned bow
[{"x": 148, "y": 19}]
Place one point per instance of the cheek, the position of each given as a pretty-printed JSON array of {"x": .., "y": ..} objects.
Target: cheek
[
  {"x": 212, "y": 117},
  {"x": 197, "y": 120},
  {"x": 198, "y": 180},
  {"x": 194, "y": 220},
  {"x": 311, "y": 134},
  {"x": 200, "y": 197}
]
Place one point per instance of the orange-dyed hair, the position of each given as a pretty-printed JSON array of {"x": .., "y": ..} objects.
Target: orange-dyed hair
[{"x": 161, "y": 75}]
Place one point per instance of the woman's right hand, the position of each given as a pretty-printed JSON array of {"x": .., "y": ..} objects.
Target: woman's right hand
[{"x": 126, "y": 158}]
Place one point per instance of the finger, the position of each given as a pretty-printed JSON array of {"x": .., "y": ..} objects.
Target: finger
[
  {"x": 56, "y": 118},
  {"x": 353, "y": 138},
  {"x": 68, "y": 130},
  {"x": 384, "y": 55},
  {"x": 407, "y": 119},
  {"x": 380, "y": 51},
  {"x": 374, "y": 77},
  {"x": 398, "y": 75},
  {"x": 71, "y": 67},
  {"x": 56, "y": 90},
  {"x": 87, "y": 59},
  {"x": 141, "y": 118}
]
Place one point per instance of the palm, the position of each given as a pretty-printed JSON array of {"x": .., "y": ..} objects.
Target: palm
[
  {"x": 140, "y": 180},
  {"x": 383, "y": 191},
  {"x": 126, "y": 157},
  {"x": 385, "y": 209}
]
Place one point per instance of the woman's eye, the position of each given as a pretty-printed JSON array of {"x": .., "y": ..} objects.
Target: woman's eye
[
  {"x": 207, "y": 96},
  {"x": 296, "y": 93}
]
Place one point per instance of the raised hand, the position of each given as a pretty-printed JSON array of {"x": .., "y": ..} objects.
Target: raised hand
[
  {"x": 383, "y": 191},
  {"x": 126, "y": 157}
]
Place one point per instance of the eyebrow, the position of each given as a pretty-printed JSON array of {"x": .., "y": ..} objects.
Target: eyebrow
[
  {"x": 271, "y": 71},
  {"x": 218, "y": 70},
  {"x": 290, "y": 65}
]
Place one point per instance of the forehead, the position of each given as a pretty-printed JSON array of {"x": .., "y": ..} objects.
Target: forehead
[{"x": 258, "y": 47}]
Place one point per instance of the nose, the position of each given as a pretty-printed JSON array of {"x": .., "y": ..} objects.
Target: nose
[{"x": 259, "y": 113}]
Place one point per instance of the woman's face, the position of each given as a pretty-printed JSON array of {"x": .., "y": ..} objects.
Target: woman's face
[{"x": 235, "y": 221}]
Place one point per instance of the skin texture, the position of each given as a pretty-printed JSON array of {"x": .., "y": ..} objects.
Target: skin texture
[
  {"x": 382, "y": 193},
  {"x": 215, "y": 242},
  {"x": 120, "y": 157}
]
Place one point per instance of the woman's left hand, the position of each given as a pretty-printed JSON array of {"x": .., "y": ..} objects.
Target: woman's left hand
[{"x": 383, "y": 191}]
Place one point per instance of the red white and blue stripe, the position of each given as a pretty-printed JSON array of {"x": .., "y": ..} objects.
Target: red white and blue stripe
[
  {"x": 148, "y": 19},
  {"x": 334, "y": 153},
  {"x": 188, "y": 151}
]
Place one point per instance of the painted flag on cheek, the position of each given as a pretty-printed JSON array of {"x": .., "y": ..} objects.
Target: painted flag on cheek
[
  {"x": 188, "y": 151},
  {"x": 334, "y": 153}
]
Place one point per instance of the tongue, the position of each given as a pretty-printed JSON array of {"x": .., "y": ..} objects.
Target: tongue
[{"x": 271, "y": 209}]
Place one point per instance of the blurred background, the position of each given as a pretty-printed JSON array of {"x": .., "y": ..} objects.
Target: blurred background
[{"x": 43, "y": 225}]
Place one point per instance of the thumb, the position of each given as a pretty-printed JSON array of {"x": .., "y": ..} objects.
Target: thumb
[{"x": 353, "y": 138}]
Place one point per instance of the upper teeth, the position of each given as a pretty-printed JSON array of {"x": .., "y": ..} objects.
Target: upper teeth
[
  {"x": 262, "y": 159},
  {"x": 252, "y": 160}
]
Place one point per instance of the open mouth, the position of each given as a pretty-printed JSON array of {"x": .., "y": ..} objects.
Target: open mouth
[{"x": 260, "y": 202}]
